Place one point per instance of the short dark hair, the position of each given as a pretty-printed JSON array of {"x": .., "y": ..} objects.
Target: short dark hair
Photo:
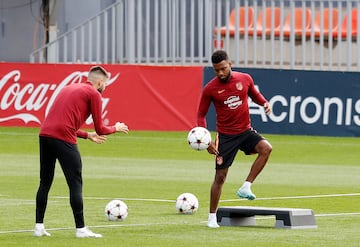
[
  {"x": 99, "y": 69},
  {"x": 219, "y": 56}
]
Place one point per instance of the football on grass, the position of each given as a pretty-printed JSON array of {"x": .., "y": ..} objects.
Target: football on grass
[
  {"x": 187, "y": 203},
  {"x": 199, "y": 138},
  {"x": 116, "y": 210}
]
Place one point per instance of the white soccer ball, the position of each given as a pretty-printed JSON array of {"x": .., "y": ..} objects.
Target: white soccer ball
[
  {"x": 116, "y": 210},
  {"x": 187, "y": 203},
  {"x": 199, "y": 138}
]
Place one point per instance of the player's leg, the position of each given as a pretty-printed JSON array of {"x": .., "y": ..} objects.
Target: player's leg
[
  {"x": 70, "y": 161},
  {"x": 47, "y": 169},
  {"x": 254, "y": 143},
  {"x": 227, "y": 146},
  {"x": 263, "y": 149},
  {"x": 216, "y": 188},
  {"x": 71, "y": 164},
  {"x": 215, "y": 193}
]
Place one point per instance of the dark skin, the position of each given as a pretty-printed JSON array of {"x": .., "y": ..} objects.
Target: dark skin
[{"x": 262, "y": 149}]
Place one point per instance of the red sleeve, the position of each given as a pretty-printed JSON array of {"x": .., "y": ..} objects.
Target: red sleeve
[
  {"x": 254, "y": 94},
  {"x": 204, "y": 105},
  {"x": 82, "y": 134},
  {"x": 96, "y": 111}
]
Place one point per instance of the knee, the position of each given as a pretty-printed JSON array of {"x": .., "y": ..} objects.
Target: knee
[
  {"x": 220, "y": 179},
  {"x": 266, "y": 150},
  {"x": 45, "y": 184}
]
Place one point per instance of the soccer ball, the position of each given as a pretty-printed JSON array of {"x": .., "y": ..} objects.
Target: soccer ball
[
  {"x": 187, "y": 203},
  {"x": 199, "y": 138},
  {"x": 116, "y": 210}
]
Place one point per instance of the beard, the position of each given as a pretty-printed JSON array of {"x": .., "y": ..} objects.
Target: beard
[
  {"x": 100, "y": 90},
  {"x": 226, "y": 79}
]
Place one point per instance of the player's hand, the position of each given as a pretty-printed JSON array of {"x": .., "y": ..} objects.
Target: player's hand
[
  {"x": 212, "y": 149},
  {"x": 92, "y": 136},
  {"x": 121, "y": 127},
  {"x": 267, "y": 108}
]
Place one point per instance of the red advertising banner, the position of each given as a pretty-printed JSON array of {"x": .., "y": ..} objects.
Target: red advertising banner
[{"x": 144, "y": 97}]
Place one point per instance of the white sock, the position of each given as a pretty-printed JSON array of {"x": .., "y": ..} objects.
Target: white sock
[
  {"x": 81, "y": 229},
  {"x": 39, "y": 226},
  {"x": 212, "y": 217},
  {"x": 246, "y": 185}
]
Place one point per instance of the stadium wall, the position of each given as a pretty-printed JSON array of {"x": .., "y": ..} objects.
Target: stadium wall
[
  {"x": 144, "y": 97},
  {"x": 166, "y": 97}
]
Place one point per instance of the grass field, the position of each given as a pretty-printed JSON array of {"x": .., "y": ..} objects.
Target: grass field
[{"x": 148, "y": 170}]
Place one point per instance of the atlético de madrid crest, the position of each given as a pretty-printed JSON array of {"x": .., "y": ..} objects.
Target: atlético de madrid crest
[{"x": 239, "y": 86}]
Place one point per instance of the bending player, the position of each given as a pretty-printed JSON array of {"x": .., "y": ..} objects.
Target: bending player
[{"x": 57, "y": 139}]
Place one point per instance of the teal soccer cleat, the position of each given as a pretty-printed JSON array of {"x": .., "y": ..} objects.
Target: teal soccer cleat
[{"x": 245, "y": 193}]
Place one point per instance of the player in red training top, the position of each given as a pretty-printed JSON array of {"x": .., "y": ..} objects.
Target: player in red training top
[
  {"x": 57, "y": 139},
  {"x": 229, "y": 92}
]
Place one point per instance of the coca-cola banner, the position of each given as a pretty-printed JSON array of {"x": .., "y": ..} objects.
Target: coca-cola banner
[{"x": 144, "y": 97}]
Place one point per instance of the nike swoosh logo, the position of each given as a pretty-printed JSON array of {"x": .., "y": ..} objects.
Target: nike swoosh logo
[{"x": 221, "y": 91}]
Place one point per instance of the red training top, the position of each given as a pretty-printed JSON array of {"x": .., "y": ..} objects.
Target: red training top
[
  {"x": 71, "y": 108},
  {"x": 231, "y": 102}
]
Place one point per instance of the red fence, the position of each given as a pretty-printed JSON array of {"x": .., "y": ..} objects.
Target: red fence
[{"x": 144, "y": 97}]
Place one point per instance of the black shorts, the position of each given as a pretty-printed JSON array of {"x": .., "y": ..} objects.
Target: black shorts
[{"x": 229, "y": 145}]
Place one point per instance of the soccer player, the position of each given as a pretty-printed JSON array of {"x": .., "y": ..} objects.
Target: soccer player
[
  {"x": 229, "y": 92},
  {"x": 57, "y": 140}
]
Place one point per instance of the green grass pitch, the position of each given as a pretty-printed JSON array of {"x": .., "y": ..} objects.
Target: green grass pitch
[{"x": 148, "y": 170}]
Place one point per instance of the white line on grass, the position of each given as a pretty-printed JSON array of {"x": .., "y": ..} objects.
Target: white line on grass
[
  {"x": 97, "y": 226},
  {"x": 125, "y": 199},
  {"x": 164, "y": 200},
  {"x": 229, "y": 200},
  {"x": 6, "y": 202},
  {"x": 295, "y": 197},
  {"x": 339, "y": 214},
  {"x": 157, "y": 224}
]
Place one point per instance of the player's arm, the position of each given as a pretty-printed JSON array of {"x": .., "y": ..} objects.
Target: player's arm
[
  {"x": 257, "y": 97},
  {"x": 267, "y": 108},
  {"x": 82, "y": 134},
  {"x": 99, "y": 139},
  {"x": 92, "y": 136},
  {"x": 100, "y": 127},
  {"x": 121, "y": 127},
  {"x": 212, "y": 149},
  {"x": 203, "y": 109},
  {"x": 204, "y": 105}
]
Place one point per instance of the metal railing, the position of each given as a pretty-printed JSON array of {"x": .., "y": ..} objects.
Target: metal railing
[{"x": 186, "y": 32}]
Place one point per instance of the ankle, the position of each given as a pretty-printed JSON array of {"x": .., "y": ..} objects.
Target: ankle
[
  {"x": 39, "y": 226},
  {"x": 246, "y": 185},
  {"x": 212, "y": 217}
]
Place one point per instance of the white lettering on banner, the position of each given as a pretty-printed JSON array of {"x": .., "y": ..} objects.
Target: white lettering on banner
[
  {"x": 35, "y": 96},
  {"x": 284, "y": 102},
  {"x": 337, "y": 101},
  {"x": 310, "y": 119},
  {"x": 357, "y": 109},
  {"x": 296, "y": 105},
  {"x": 293, "y": 102},
  {"x": 348, "y": 112},
  {"x": 256, "y": 109}
]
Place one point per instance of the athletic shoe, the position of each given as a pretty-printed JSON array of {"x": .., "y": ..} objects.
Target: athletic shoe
[
  {"x": 39, "y": 232},
  {"x": 86, "y": 233},
  {"x": 245, "y": 193},
  {"x": 212, "y": 224}
]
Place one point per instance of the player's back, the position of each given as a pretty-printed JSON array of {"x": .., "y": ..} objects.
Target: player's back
[{"x": 69, "y": 111}]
